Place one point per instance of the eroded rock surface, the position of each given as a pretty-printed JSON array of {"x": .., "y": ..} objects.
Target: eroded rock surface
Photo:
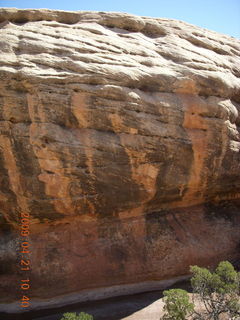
[{"x": 120, "y": 137}]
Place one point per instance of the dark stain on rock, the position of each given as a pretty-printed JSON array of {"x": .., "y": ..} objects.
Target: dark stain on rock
[
  {"x": 157, "y": 225},
  {"x": 9, "y": 207},
  {"x": 113, "y": 183},
  {"x": 227, "y": 210}
]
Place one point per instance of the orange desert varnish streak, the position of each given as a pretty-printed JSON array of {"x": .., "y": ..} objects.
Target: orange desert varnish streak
[{"x": 25, "y": 262}]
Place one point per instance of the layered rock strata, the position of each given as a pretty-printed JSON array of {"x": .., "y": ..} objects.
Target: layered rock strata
[{"x": 119, "y": 136}]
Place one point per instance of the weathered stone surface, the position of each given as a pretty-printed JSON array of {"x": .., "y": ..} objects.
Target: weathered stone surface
[{"x": 119, "y": 135}]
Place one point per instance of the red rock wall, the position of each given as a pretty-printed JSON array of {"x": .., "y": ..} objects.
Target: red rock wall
[{"x": 119, "y": 136}]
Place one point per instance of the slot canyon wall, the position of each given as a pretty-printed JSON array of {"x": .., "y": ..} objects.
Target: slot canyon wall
[{"x": 119, "y": 136}]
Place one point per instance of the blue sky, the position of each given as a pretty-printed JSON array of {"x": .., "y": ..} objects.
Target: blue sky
[{"x": 218, "y": 15}]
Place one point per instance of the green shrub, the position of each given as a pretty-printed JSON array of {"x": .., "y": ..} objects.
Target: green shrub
[
  {"x": 217, "y": 292},
  {"x": 74, "y": 316},
  {"x": 177, "y": 305}
]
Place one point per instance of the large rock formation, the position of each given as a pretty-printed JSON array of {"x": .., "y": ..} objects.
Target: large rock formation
[{"x": 120, "y": 138}]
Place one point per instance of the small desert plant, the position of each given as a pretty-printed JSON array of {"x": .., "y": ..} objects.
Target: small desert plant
[
  {"x": 74, "y": 316},
  {"x": 177, "y": 305},
  {"x": 217, "y": 293}
]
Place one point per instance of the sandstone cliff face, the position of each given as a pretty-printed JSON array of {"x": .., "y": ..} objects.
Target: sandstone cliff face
[{"x": 119, "y": 135}]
